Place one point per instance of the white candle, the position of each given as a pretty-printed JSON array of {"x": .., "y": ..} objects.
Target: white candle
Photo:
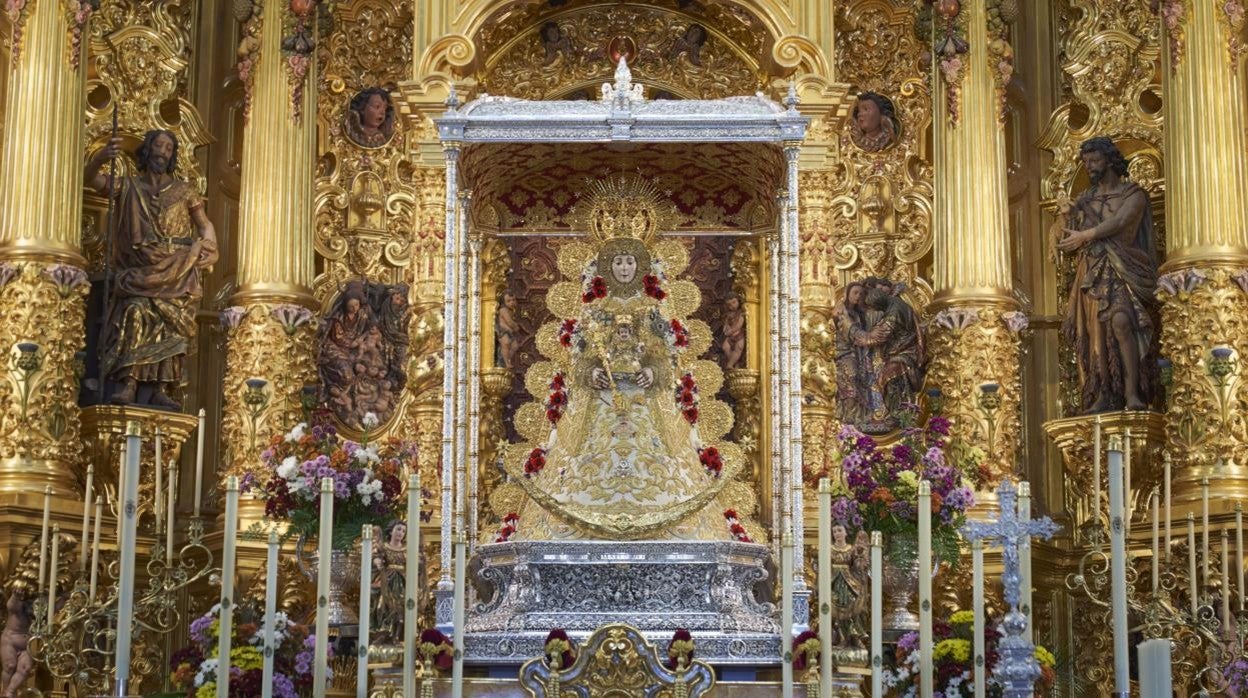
[
  {"x": 43, "y": 536},
  {"x": 170, "y": 508},
  {"x": 786, "y": 608},
  {"x": 1156, "y": 542},
  {"x": 1096, "y": 470},
  {"x": 877, "y": 613},
  {"x": 325, "y": 536},
  {"x": 1128, "y": 506},
  {"x": 95, "y": 545},
  {"x": 121, "y": 488},
  {"x": 1204, "y": 528},
  {"x": 977, "y": 607},
  {"x": 270, "y": 610},
  {"x": 1024, "y": 556},
  {"x": 1155, "y": 660},
  {"x": 412, "y": 582},
  {"x": 825, "y": 583},
  {"x": 1239, "y": 553},
  {"x": 1166, "y": 496},
  {"x": 56, "y": 553},
  {"x": 1226, "y": 584},
  {"x": 1118, "y": 568},
  {"x": 1191, "y": 563},
  {"x": 366, "y": 589},
  {"x": 199, "y": 462},
  {"x": 227, "y": 584},
  {"x": 86, "y": 517},
  {"x": 157, "y": 489},
  {"x": 926, "y": 684},
  {"x": 127, "y": 513},
  {"x": 461, "y": 588}
]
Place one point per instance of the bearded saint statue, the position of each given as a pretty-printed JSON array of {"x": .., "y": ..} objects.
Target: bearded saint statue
[{"x": 630, "y": 445}]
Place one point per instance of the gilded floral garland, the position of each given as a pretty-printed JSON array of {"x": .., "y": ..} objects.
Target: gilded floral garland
[
  {"x": 1205, "y": 337},
  {"x": 1173, "y": 14},
  {"x": 249, "y": 14},
  {"x": 77, "y": 14},
  {"x": 1233, "y": 21},
  {"x": 948, "y": 47}
]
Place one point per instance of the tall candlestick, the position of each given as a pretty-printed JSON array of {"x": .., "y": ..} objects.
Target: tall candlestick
[
  {"x": 127, "y": 516},
  {"x": 121, "y": 488},
  {"x": 227, "y": 585},
  {"x": 172, "y": 506},
  {"x": 1239, "y": 553},
  {"x": 1118, "y": 568},
  {"x": 979, "y": 657},
  {"x": 366, "y": 590},
  {"x": 926, "y": 683},
  {"x": 43, "y": 536},
  {"x": 1156, "y": 542},
  {"x": 1204, "y": 531},
  {"x": 786, "y": 608},
  {"x": 157, "y": 490},
  {"x": 1191, "y": 563},
  {"x": 325, "y": 539},
  {"x": 87, "y": 496},
  {"x": 1024, "y": 557},
  {"x": 1096, "y": 470},
  {"x": 1165, "y": 459},
  {"x": 1227, "y": 630},
  {"x": 825, "y": 583},
  {"x": 56, "y": 553},
  {"x": 1155, "y": 671},
  {"x": 270, "y": 610},
  {"x": 877, "y": 613},
  {"x": 95, "y": 545},
  {"x": 411, "y": 582},
  {"x": 457, "y": 613},
  {"x": 199, "y": 462}
]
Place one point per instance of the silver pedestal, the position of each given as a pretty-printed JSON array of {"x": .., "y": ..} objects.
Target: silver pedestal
[{"x": 716, "y": 590}]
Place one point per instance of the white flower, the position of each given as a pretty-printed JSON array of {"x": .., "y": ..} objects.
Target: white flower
[
  {"x": 289, "y": 468},
  {"x": 296, "y": 433},
  {"x": 370, "y": 420},
  {"x": 293, "y": 486},
  {"x": 207, "y": 669}
]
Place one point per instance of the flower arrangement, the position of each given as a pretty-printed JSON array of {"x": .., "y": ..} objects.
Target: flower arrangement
[
  {"x": 597, "y": 289},
  {"x": 953, "y": 663},
  {"x": 650, "y": 283},
  {"x": 436, "y": 648},
  {"x": 557, "y": 401},
  {"x": 680, "y": 649},
  {"x": 367, "y": 480},
  {"x": 508, "y": 529},
  {"x": 558, "y": 649},
  {"x": 709, "y": 456},
  {"x": 194, "y": 667},
  {"x": 687, "y": 398},
  {"x": 806, "y": 648},
  {"x": 734, "y": 526},
  {"x": 535, "y": 462},
  {"x": 881, "y": 486}
]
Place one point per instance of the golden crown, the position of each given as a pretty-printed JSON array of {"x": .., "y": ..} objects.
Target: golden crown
[{"x": 624, "y": 207}]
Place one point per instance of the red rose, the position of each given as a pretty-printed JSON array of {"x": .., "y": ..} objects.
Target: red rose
[
  {"x": 556, "y": 382},
  {"x": 686, "y": 397},
  {"x": 569, "y": 326},
  {"x": 552, "y": 415},
  {"x": 737, "y": 529},
  {"x": 511, "y": 517},
  {"x": 565, "y": 339},
  {"x": 691, "y": 415},
  {"x": 588, "y": 297},
  {"x": 557, "y": 399},
  {"x": 687, "y": 382}
]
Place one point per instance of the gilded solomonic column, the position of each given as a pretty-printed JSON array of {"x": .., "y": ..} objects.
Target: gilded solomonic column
[
  {"x": 974, "y": 346},
  {"x": 270, "y": 369},
  {"x": 43, "y": 286},
  {"x": 1204, "y": 281}
]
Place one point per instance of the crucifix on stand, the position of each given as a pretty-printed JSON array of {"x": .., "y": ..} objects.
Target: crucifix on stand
[{"x": 1017, "y": 669}]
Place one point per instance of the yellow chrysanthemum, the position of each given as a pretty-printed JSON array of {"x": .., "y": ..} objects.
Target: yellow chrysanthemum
[
  {"x": 962, "y": 618},
  {"x": 1045, "y": 657},
  {"x": 246, "y": 658},
  {"x": 956, "y": 649},
  {"x": 208, "y": 690}
]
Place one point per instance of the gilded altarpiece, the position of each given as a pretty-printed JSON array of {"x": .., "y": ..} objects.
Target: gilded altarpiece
[{"x": 869, "y": 215}]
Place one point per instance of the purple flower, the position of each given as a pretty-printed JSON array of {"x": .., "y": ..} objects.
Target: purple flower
[
  {"x": 283, "y": 687},
  {"x": 232, "y": 316},
  {"x": 938, "y": 425},
  {"x": 903, "y": 453},
  {"x": 865, "y": 443},
  {"x": 934, "y": 457},
  {"x": 291, "y": 316},
  {"x": 907, "y": 643},
  {"x": 66, "y": 277},
  {"x": 201, "y": 626}
]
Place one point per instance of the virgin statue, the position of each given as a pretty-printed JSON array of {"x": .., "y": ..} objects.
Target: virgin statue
[
  {"x": 390, "y": 586},
  {"x": 625, "y": 436}
]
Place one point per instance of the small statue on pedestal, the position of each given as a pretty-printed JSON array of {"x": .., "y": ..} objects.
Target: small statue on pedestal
[
  {"x": 390, "y": 585},
  {"x": 1111, "y": 313},
  {"x": 733, "y": 344},
  {"x": 851, "y": 563},
  {"x": 161, "y": 244},
  {"x": 16, "y": 664}
]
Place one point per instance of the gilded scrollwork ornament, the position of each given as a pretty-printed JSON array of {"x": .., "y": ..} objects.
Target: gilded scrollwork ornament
[
  {"x": 42, "y": 335},
  {"x": 974, "y": 354},
  {"x": 1205, "y": 337},
  {"x": 271, "y": 365}
]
